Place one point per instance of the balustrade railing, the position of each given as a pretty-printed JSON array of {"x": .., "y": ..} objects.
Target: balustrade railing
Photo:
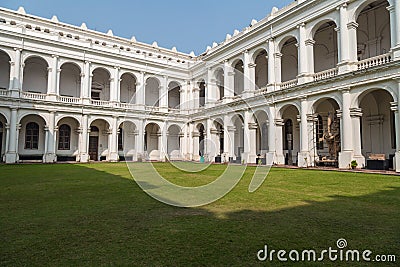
[
  {"x": 374, "y": 61},
  {"x": 34, "y": 96},
  {"x": 69, "y": 99},
  {"x": 326, "y": 74},
  {"x": 289, "y": 84}
]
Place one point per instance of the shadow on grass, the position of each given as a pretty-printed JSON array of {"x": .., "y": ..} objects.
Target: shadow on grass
[{"x": 95, "y": 215}]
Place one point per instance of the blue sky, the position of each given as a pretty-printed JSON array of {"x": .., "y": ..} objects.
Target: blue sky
[{"x": 186, "y": 24}]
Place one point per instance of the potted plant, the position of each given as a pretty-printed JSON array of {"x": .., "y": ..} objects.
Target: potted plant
[{"x": 354, "y": 164}]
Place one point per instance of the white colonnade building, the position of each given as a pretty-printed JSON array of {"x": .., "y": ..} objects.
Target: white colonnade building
[{"x": 317, "y": 82}]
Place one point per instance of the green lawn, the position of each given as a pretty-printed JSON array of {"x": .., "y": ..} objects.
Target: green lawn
[{"x": 95, "y": 214}]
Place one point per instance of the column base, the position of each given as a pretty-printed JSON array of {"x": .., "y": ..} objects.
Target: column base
[
  {"x": 396, "y": 52},
  {"x": 51, "y": 97},
  {"x": 11, "y": 158},
  {"x": 270, "y": 158},
  {"x": 252, "y": 159},
  {"x": 84, "y": 158},
  {"x": 396, "y": 162},
  {"x": 304, "y": 78},
  {"x": 49, "y": 158},
  {"x": 346, "y": 66},
  {"x": 280, "y": 159},
  {"x": 345, "y": 158},
  {"x": 113, "y": 157},
  {"x": 247, "y": 94},
  {"x": 304, "y": 160},
  {"x": 14, "y": 93},
  {"x": 271, "y": 88},
  {"x": 360, "y": 161}
]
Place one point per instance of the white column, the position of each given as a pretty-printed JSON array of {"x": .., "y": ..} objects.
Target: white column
[
  {"x": 271, "y": 156},
  {"x": 86, "y": 88},
  {"x": 280, "y": 158},
  {"x": 140, "y": 90},
  {"x": 84, "y": 138},
  {"x": 228, "y": 138},
  {"x": 252, "y": 157},
  {"x": 114, "y": 86},
  {"x": 210, "y": 87},
  {"x": 228, "y": 81},
  {"x": 310, "y": 55},
  {"x": 249, "y": 75},
  {"x": 113, "y": 146},
  {"x": 50, "y": 153},
  {"x": 164, "y": 94},
  {"x": 356, "y": 114},
  {"x": 393, "y": 26},
  {"x": 397, "y": 127},
  {"x": 397, "y": 23},
  {"x": 346, "y": 154},
  {"x": 271, "y": 65},
  {"x": 12, "y": 153},
  {"x": 196, "y": 147},
  {"x": 52, "y": 78},
  {"x": 352, "y": 37},
  {"x": 183, "y": 95},
  {"x": 190, "y": 140},
  {"x": 196, "y": 98},
  {"x": 278, "y": 67},
  {"x": 16, "y": 85},
  {"x": 343, "y": 34},
  {"x": 163, "y": 141},
  {"x": 139, "y": 146},
  {"x": 304, "y": 159},
  {"x": 302, "y": 51}
]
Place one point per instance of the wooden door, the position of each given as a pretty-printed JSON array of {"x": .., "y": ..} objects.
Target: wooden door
[{"x": 93, "y": 147}]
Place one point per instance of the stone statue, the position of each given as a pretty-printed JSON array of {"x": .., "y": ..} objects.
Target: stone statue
[{"x": 332, "y": 135}]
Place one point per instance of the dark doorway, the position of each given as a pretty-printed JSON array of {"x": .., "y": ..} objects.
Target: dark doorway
[{"x": 93, "y": 147}]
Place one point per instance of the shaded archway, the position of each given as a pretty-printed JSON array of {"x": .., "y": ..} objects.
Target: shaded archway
[
  {"x": 67, "y": 142},
  {"x": 152, "y": 92},
  {"x": 152, "y": 135},
  {"x": 373, "y": 31},
  {"x": 325, "y": 47},
  {"x": 378, "y": 132},
  {"x": 261, "y": 73},
  {"x": 239, "y": 77},
  {"x": 290, "y": 60},
  {"x": 290, "y": 134},
  {"x": 70, "y": 80},
  {"x": 174, "y": 95},
  {"x": 31, "y": 140},
  {"x": 200, "y": 145},
  {"x": 35, "y": 75},
  {"x": 174, "y": 143},
  {"x": 128, "y": 88},
  {"x": 262, "y": 121},
  {"x": 99, "y": 140},
  {"x": 219, "y": 80},
  {"x": 202, "y": 93},
  {"x": 4, "y": 70},
  {"x": 238, "y": 123},
  {"x": 100, "y": 85},
  {"x": 127, "y": 134},
  {"x": 326, "y": 138}
]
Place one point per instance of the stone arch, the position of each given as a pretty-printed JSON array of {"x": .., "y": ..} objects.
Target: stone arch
[
  {"x": 101, "y": 79},
  {"x": 127, "y": 89},
  {"x": 5, "y": 70},
  {"x": 70, "y": 79},
  {"x": 152, "y": 91},
  {"x": 67, "y": 144},
  {"x": 35, "y": 75},
  {"x": 174, "y": 95}
]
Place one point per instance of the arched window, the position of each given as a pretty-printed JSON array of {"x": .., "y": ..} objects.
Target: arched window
[
  {"x": 288, "y": 145},
  {"x": 64, "y": 138},
  {"x": 32, "y": 136},
  {"x": 319, "y": 133},
  {"x": 120, "y": 139}
]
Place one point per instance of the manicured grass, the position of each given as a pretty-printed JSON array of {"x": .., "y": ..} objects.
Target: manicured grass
[{"x": 95, "y": 214}]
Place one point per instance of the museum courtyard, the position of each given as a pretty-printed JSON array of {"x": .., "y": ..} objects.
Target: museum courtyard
[{"x": 96, "y": 214}]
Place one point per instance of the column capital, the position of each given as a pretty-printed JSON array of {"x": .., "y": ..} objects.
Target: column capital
[
  {"x": 394, "y": 106},
  {"x": 278, "y": 55},
  {"x": 302, "y": 24},
  {"x": 345, "y": 90},
  {"x": 231, "y": 128},
  {"x": 55, "y": 56},
  {"x": 310, "y": 42},
  {"x": 391, "y": 8},
  {"x": 279, "y": 122},
  {"x": 302, "y": 98},
  {"x": 252, "y": 65},
  {"x": 356, "y": 112},
  {"x": 352, "y": 25},
  {"x": 252, "y": 125}
]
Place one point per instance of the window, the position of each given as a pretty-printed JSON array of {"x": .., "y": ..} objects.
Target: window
[
  {"x": 120, "y": 139},
  {"x": 319, "y": 133},
  {"x": 288, "y": 145},
  {"x": 64, "y": 137},
  {"x": 32, "y": 136}
]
